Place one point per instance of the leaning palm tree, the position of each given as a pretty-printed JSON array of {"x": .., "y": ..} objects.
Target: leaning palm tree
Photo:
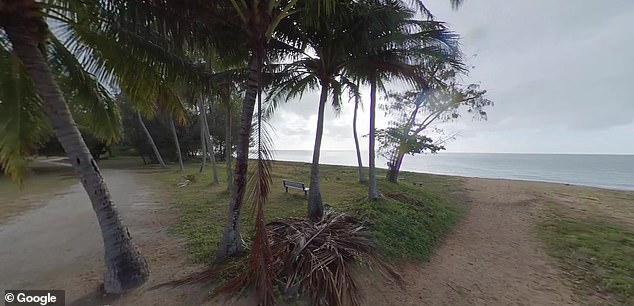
[
  {"x": 25, "y": 33},
  {"x": 151, "y": 142}
]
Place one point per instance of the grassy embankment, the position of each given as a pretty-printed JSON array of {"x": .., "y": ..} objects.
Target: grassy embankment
[
  {"x": 593, "y": 241},
  {"x": 407, "y": 223}
]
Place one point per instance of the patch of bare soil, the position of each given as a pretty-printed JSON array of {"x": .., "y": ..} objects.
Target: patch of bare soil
[
  {"x": 58, "y": 245},
  {"x": 492, "y": 257},
  {"x": 150, "y": 220}
]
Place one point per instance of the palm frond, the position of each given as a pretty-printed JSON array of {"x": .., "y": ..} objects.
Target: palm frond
[
  {"x": 23, "y": 121},
  {"x": 93, "y": 106},
  {"x": 317, "y": 259}
]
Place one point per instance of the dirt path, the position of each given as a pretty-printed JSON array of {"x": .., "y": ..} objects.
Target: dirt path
[
  {"x": 491, "y": 258},
  {"x": 58, "y": 245}
]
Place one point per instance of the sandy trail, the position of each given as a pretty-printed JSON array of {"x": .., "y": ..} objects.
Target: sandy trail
[
  {"x": 59, "y": 244},
  {"x": 492, "y": 257}
]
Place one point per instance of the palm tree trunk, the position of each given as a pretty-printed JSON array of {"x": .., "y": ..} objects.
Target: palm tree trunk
[
  {"x": 125, "y": 266},
  {"x": 203, "y": 142},
  {"x": 151, "y": 141},
  {"x": 362, "y": 177},
  {"x": 372, "y": 191},
  {"x": 178, "y": 146},
  {"x": 210, "y": 147},
  {"x": 228, "y": 150},
  {"x": 231, "y": 242},
  {"x": 315, "y": 204}
]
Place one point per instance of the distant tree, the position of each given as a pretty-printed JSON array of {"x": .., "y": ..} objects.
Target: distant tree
[{"x": 415, "y": 113}]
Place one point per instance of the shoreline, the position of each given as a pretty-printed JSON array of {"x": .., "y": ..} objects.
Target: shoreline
[{"x": 602, "y": 187}]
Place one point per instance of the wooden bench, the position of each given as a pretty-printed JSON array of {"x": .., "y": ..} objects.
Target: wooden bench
[{"x": 296, "y": 185}]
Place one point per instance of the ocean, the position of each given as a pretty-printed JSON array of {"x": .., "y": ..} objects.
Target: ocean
[{"x": 605, "y": 171}]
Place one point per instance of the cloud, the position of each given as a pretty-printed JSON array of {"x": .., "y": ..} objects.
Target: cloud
[{"x": 558, "y": 72}]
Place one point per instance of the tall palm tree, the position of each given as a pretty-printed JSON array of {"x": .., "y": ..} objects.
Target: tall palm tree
[
  {"x": 208, "y": 142},
  {"x": 177, "y": 144},
  {"x": 258, "y": 22},
  {"x": 26, "y": 30},
  {"x": 362, "y": 177},
  {"x": 155, "y": 149},
  {"x": 228, "y": 102},
  {"x": 331, "y": 40},
  {"x": 397, "y": 54}
]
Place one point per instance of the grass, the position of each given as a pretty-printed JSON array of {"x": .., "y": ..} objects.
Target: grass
[
  {"x": 44, "y": 180},
  {"x": 407, "y": 224},
  {"x": 41, "y": 182},
  {"x": 596, "y": 253}
]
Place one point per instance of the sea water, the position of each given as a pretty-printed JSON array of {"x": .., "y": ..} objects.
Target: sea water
[{"x": 605, "y": 171}]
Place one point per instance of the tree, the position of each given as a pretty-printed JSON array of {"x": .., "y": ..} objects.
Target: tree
[
  {"x": 415, "y": 112},
  {"x": 26, "y": 31},
  {"x": 257, "y": 22},
  {"x": 150, "y": 141},
  {"x": 229, "y": 101},
  {"x": 362, "y": 177},
  {"x": 397, "y": 54},
  {"x": 335, "y": 42},
  {"x": 177, "y": 144}
]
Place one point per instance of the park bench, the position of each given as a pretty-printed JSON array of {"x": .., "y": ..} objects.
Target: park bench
[{"x": 296, "y": 185}]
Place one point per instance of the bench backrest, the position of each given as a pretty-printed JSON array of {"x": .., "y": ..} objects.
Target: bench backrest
[{"x": 294, "y": 184}]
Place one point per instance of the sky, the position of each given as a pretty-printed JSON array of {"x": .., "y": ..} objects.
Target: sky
[{"x": 559, "y": 73}]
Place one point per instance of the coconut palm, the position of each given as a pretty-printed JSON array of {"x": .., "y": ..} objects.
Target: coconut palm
[
  {"x": 332, "y": 40},
  {"x": 84, "y": 34},
  {"x": 258, "y": 22},
  {"x": 155, "y": 149},
  {"x": 397, "y": 54},
  {"x": 362, "y": 177},
  {"x": 177, "y": 144},
  {"x": 25, "y": 32}
]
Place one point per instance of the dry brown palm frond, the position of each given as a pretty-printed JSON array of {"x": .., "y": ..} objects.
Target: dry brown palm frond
[{"x": 317, "y": 259}]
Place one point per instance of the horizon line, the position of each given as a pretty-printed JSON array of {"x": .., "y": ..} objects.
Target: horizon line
[{"x": 463, "y": 152}]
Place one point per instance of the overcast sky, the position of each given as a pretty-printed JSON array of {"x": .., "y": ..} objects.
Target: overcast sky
[{"x": 559, "y": 73}]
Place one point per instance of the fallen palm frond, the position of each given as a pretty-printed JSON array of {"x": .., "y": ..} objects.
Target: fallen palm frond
[
  {"x": 317, "y": 259},
  {"x": 189, "y": 179}
]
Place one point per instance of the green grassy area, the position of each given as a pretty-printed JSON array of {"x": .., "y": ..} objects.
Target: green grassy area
[
  {"x": 407, "y": 223},
  {"x": 40, "y": 182},
  {"x": 44, "y": 180},
  {"x": 596, "y": 253}
]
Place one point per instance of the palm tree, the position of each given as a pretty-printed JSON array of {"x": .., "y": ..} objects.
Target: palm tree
[
  {"x": 155, "y": 149},
  {"x": 362, "y": 177},
  {"x": 331, "y": 39},
  {"x": 177, "y": 144},
  {"x": 258, "y": 22},
  {"x": 207, "y": 142},
  {"x": 26, "y": 30},
  {"x": 228, "y": 102},
  {"x": 397, "y": 54}
]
